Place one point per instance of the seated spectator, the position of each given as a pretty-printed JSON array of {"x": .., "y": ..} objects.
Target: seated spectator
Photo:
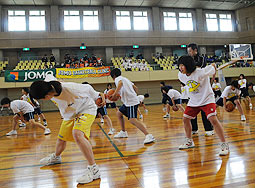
[
  {"x": 67, "y": 60},
  {"x": 139, "y": 56},
  {"x": 176, "y": 57},
  {"x": 161, "y": 56},
  {"x": 85, "y": 58},
  {"x": 157, "y": 56},
  {"x": 45, "y": 59},
  {"x": 131, "y": 54},
  {"x": 52, "y": 58}
]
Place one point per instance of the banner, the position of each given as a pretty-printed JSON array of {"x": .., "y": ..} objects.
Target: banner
[
  {"x": 27, "y": 75},
  {"x": 82, "y": 72}
]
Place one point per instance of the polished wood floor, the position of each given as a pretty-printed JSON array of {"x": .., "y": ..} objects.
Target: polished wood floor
[{"x": 127, "y": 162}]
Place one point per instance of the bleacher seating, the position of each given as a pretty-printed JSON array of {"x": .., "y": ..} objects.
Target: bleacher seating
[
  {"x": 118, "y": 61},
  {"x": 33, "y": 65},
  {"x": 3, "y": 65},
  {"x": 167, "y": 63}
]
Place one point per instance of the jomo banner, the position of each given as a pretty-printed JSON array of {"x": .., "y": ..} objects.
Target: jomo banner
[
  {"x": 82, "y": 72},
  {"x": 27, "y": 75}
]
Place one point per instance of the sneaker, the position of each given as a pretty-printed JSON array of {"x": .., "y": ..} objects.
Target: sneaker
[
  {"x": 148, "y": 139},
  {"x": 209, "y": 133},
  {"x": 187, "y": 144},
  {"x": 243, "y": 118},
  {"x": 146, "y": 111},
  {"x": 250, "y": 106},
  {"x": 224, "y": 149},
  {"x": 194, "y": 132},
  {"x": 141, "y": 116},
  {"x": 102, "y": 120},
  {"x": 45, "y": 124},
  {"x": 121, "y": 134},
  {"x": 50, "y": 160},
  {"x": 22, "y": 125},
  {"x": 91, "y": 173},
  {"x": 166, "y": 116},
  {"x": 112, "y": 130},
  {"x": 12, "y": 132},
  {"x": 47, "y": 131}
]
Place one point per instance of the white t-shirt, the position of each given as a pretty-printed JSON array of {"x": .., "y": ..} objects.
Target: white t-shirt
[
  {"x": 21, "y": 106},
  {"x": 242, "y": 83},
  {"x": 28, "y": 99},
  {"x": 127, "y": 92},
  {"x": 216, "y": 87},
  {"x": 76, "y": 99},
  {"x": 199, "y": 87},
  {"x": 253, "y": 88},
  {"x": 107, "y": 100},
  {"x": 140, "y": 98},
  {"x": 172, "y": 93},
  {"x": 229, "y": 93},
  {"x": 185, "y": 94}
]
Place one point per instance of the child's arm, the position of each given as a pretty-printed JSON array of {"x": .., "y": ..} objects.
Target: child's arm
[
  {"x": 20, "y": 114},
  {"x": 103, "y": 99},
  {"x": 135, "y": 88},
  {"x": 224, "y": 103},
  {"x": 119, "y": 86},
  {"x": 172, "y": 99}
]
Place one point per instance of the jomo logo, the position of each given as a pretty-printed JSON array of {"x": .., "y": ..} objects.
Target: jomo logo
[
  {"x": 37, "y": 75},
  {"x": 13, "y": 76}
]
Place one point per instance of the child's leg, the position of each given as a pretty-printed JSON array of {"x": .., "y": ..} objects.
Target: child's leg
[
  {"x": 239, "y": 107},
  {"x": 108, "y": 121},
  {"x": 218, "y": 127},
  {"x": 84, "y": 146},
  {"x": 139, "y": 124},
  {"x": 121, "y": 120},
  {"x": 187, "y": 127},
  {"x": 33, "y": 122},
  {"x": 139, "y": 112},
  {"x": 15, "y": 121},
  {"x": 60, "y": 147}
]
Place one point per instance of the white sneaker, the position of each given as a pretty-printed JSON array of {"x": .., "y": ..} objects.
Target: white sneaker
[
  {"x": 224, "y": 148},
  {"x": 141, "y": 116},
  {"x": 243, "y": 118},
  {"x": 111, "y": 131},
  {"x": 47, "y": 131},
  {"x": 45, "y": 124},
  {"x": 91, "y": 173},
  {"x": 250, "y": 106},
  {"x": 194, "y": 132},
  {"x": 187, "y": 144},
  {"x": 148, "y": 139},
  {"x": 22, "y": 125},
  {"x": 102, "y": 120},
  {"x": 51, "y": 160},
  {"x": 209, "y": 133},
  {"x": 121, "y": 134},
  {"x": 12, "y": 132},
  {"x": 146, "y": 111},
  {"x": 166, "y": 116}
]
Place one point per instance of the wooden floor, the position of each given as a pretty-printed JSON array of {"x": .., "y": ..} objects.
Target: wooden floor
[{"x": 127, "y": 162}]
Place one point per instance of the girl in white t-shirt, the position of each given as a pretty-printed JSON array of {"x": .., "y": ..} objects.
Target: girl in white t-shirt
[
  {"x": 216, "y": 88},
  {"x": 23, "y": 111},
  {"x": 141, "y": 99},
  {"x": 78, "y": 109},
  {"x": 244, "y": 90},
  {"x": 201, "y": 98}
]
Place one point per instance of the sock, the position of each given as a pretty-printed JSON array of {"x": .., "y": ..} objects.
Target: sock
[{"x": 92, "y": 166}]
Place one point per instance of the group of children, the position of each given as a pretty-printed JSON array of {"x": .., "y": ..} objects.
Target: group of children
[{"x": 76, "y": 103}]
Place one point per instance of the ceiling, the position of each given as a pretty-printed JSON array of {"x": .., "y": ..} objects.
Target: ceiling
[{"x": 204, "y": 4}]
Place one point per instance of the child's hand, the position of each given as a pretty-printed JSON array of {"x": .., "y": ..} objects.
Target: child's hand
[{"x": 214, "y": 65}]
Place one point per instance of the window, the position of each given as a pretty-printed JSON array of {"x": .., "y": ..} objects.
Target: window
[
  {"x": 37, "y": 20},
  {"x": 140, "y": 20},
  {"x": 225, "y": 22},
  {"x": 16, "y": 20},
  {"x": 211, "y": 22},
  {"x": 170, "y": 21},
  {"x": 90, "y": 20},
  {"x": 72, "y": 20},
  {"x": 123, "y": 20},
  {"x": 185, "y": 21}
]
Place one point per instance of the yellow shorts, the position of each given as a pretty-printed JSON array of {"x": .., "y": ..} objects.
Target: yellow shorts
[{"x": 83, "y": 123}]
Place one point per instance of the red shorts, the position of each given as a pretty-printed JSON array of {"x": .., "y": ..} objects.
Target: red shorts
[{"x": 209, "y": 109}]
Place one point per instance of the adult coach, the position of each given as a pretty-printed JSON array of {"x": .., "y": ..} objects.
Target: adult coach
[{"x": 200, "y": 62}]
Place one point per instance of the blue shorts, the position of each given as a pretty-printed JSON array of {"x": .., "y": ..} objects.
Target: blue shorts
[
  {"x": 129, "y": 111},
  {"x": 38, "y": 111},
  {"x": 102, "y": 111},
  {"x": 28, "y": 116},
  {"x": 177, "y": 101},
  {"x": 220, "y": 101}
]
